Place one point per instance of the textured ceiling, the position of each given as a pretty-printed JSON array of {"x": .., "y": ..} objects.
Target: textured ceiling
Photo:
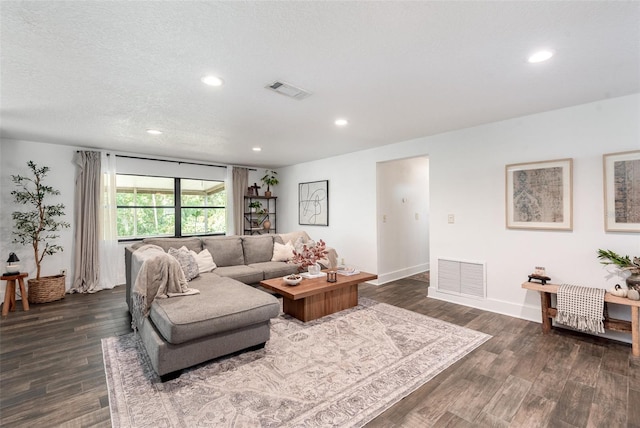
[{"x": 98, "y": 74}]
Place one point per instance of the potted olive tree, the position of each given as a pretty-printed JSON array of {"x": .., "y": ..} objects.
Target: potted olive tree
[
  {"x": 37, "y": 226},
  {"x": 269, "y": 179}
]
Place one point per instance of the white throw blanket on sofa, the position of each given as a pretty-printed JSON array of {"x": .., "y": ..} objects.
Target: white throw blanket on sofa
[{"x": 157, "y": 275}]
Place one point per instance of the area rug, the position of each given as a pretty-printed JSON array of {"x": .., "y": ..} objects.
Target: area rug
[{"x": 342, "y": 370}]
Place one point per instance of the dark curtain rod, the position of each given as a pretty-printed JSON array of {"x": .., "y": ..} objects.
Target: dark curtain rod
[{"x": 172, "y": 161}]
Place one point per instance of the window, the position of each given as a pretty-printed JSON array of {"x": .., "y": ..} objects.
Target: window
[
  {"x": 203, "y": 207},
  {"x": 148, "y": 206}
]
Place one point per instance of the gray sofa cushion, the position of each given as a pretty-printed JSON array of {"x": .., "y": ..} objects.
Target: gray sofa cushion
[
  {"x": 275, "y": 269},
  {"x": 194, "y": 244},
  {"x": 226, "y": 250},
  {"x": 222, "y": 305},
  {"x": 241, "y": 273},
  {"x": 257, "y": 248},
  {"x": 187, "y": 262}
]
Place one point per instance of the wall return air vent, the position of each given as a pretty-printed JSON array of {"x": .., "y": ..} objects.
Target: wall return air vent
[
  {"x": 288, "y": 90},
  {"x": 463, "y": 278}
]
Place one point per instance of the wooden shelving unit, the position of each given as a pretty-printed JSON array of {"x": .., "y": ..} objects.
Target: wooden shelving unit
[{"x": 254, "y": 222}]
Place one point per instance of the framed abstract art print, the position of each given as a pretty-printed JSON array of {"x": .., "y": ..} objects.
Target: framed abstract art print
[{"x": 313, "y": 203}]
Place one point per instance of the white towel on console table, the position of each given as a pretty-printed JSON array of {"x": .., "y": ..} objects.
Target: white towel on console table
[{"x": 581, "y": 308}]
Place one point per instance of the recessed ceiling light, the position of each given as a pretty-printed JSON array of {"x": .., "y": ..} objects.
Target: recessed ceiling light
[
  {"x": 153, "y": 132},
  {"x": 341, "y": 122},
  {"x": 540, "y": 56},
  {"x": 257, "y": 149},
  {"x": 212, "y": 80}
]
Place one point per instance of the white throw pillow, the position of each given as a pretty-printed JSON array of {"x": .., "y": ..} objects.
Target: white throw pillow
[
  {"x": 282, "y": 252},
  {"x": 298, "y": 244},
  {"x": 204, "y": 260},
  {"x": 293, "y": 236}
]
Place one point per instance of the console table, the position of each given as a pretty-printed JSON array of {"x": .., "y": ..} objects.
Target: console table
[{"x": 549, "y": 312}]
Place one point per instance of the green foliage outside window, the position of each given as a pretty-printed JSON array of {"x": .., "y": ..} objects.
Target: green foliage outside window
[
  {"x": 203, "y": 207},
  {"x": 198, "y": 221},
  {"x": 218, "y": 199},
  {"x": 140, "y": 222}
]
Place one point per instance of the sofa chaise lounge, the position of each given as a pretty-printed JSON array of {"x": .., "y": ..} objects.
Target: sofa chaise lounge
[{"x": 230, "y": 314}]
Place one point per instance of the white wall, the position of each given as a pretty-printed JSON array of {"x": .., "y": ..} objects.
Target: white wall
[
  {"x": 402, "y": 218},
  {"x": 467, "y": 179},
  {"x": 133, "y": 165},
  {"x": 14, "y": 158},
  {"x": 352, "y": 205},
  {"x": 475, "y": 194}
]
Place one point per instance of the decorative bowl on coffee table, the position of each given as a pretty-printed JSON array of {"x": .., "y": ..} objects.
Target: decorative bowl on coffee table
[{"x": 292, "y": 279}]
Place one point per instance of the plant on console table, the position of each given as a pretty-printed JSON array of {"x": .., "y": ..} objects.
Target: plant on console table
[
  {"x": 310, "y": 255},
  {"x": 38, "y": 227},
  {"x": 624, "y": 263}
]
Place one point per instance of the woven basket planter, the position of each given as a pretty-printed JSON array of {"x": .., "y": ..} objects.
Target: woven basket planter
[{"x": 46, "y": 289}]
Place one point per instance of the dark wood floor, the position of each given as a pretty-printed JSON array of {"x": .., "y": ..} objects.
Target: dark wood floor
[{"x": 51, "y": 370}]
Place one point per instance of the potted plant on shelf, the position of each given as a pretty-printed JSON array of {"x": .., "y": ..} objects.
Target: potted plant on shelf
[
  {"x": 255, "y": 206},
  {"x": 37, "y": 226},
  {"x": 624, "y": 263},
  {"x": 269, "y": 179}
]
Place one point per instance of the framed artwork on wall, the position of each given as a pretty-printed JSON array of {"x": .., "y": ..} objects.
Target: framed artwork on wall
[
  {"x": 539, "y": 195},
  {"x": 622, "y": 191},
  {"x": 313, "y": 203}
]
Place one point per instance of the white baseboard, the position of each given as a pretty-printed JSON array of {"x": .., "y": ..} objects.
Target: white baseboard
[
  {"x": 525, "y": 312},
  {"x": 383, "y": 278}
]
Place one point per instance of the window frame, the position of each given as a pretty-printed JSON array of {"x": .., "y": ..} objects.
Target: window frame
[{"x": 177, "y": 207}]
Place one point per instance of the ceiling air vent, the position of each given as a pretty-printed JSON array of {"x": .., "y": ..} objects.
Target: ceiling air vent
[{"x": 288, "y": 90}]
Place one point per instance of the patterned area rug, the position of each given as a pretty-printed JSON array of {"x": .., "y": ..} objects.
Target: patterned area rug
[{"x": 341, "y": 370}]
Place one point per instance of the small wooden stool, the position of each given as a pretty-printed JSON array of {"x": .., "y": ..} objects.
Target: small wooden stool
[{"x": 10, "y": 293}]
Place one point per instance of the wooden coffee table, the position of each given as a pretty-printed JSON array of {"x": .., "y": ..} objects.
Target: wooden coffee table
[{"x": 315, "y": 298}]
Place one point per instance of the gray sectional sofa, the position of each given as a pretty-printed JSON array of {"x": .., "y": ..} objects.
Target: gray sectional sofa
[{"x": 230, "y": 314}]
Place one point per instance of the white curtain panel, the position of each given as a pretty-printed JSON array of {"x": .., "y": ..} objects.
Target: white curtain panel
[
  {"x": 96, "y": 242},
  {"x": 108, "y": 249}
]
